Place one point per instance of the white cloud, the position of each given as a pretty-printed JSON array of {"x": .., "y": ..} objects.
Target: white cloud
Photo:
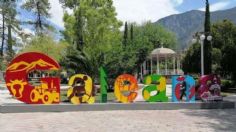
[
  {"x": 177, "y": 2},
  {"x": 143, "y": 10},
  {"x": 28, "y": 31},
  {"x": 56, "y": 12},
  {"x": 128, "y": 10},
  {"x": 217, "y": 6}
]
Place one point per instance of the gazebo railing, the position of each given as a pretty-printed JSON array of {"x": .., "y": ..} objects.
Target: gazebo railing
[{"x": 163, "y": 72}]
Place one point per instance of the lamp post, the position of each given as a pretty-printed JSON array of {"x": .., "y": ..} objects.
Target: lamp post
[{"x": 202, "y": 37}]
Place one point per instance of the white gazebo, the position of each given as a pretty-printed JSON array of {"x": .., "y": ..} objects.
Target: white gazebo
[{"x": 161, "y": 56}]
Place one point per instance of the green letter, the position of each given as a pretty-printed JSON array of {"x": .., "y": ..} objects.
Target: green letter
[{"x": 103, "y": 85}]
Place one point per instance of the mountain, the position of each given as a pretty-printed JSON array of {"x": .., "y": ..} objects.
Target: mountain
[{"x": 185, "y": 25}]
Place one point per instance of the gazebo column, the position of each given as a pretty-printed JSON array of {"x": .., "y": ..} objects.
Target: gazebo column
[
  {"x": 174, "y": 71},
  {"x": 141, "y": 72},
  {"x": 144, "y": 67},
  {"x": 178, "y": 65},
  {"x": 151, "y": 65},
  {"x": 166, "y": 64},
  {"x": 158, "y": 66}
]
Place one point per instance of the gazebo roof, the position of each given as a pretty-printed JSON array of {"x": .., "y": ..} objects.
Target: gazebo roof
[{"x": 163, "y": 51}]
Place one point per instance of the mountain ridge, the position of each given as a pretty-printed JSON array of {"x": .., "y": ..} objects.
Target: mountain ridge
[{"x": 186, "y": 24}]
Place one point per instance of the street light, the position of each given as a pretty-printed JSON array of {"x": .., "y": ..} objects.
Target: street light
[
  {"x": 209, "y": 38},
  {"x": 202, "y": 37}
]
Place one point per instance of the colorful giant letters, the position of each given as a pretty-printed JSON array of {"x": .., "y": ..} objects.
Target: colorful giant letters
[
  {"x": 209, "y": 89},
  {"x": 81, "y": 88},
  {"x": 103, "y": 85},
  {"x": 126, "y": 83},
  {"x": 157, "y": 85},
  {"x": 183, "y": 86},
  {"x": 17, "y": 74}
]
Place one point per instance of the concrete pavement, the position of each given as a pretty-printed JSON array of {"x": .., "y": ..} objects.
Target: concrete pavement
[{"x": 120, "y": 121}]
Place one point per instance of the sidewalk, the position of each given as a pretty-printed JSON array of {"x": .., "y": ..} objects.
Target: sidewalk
[
  {"x": 231, "y": 98},
  {"x": 117, "y": 121}
]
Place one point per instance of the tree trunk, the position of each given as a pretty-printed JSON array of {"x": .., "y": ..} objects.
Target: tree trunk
[
  {"x": 10, "y": 52},
  {"x": 125, "y": 37},
  {"x": 79, "y": 31},
  {"x": 39, "y": 21},
  {"x": 3, "y": 33}
]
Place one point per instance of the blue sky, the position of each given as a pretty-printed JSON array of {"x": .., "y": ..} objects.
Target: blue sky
[
  {"x": 141, "y": 10},
  {"x": 187, "y": 5}
]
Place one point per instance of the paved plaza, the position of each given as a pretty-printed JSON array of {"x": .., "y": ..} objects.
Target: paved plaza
[{"x": 119, "y": 121}]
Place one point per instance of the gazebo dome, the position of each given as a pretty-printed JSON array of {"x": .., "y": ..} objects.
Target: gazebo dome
[
  {"x": 160, "y": 58},
  {"x": 162, "y": 51}
]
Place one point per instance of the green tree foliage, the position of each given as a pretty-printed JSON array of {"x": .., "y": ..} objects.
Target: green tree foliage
[
  {"x": 41, "y": 9},
  {"x": 47, "y": 45},
  {"x": 10, "y": 41},
  {"x": 191, "y": 61},
  {"x": 223, "y": 51},
  {"x": 79, "y": 29},
  {"x": 3, "y": 12},
  {"x": 158, "y": 35},
  {"x": 72, "y": 4},
  {"x": 9, "y": 25},
  {"x": 95, "y": 22},
  {"x": 132, "y": 32},
  {"x": 193, "y": 54},
  {"x": 143, "y": 39},
  {"x": 207, "y": 44},
  {"x": 93, "y": 32},
  {"x": 69, "y": 32},
  {"x": 225, "y": 42},
  {"x": 125, "y": 38},
  {"x": 216, "y": 59}
]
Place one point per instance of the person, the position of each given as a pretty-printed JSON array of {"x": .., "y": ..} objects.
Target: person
[
  {"x": 215, "y": 87},
  {"x": 183, "y": 90}
]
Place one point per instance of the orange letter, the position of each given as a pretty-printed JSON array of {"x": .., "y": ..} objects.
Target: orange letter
[{"x": 126, "y": 83}]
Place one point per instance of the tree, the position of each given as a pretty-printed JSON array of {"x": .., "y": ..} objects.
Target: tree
[
  {"x": 72, "y": 4},
  {"x": 79, "y": 30},
  {"x": 157, "y": 35},
  {"x": 103, "y": 41},
  {"x": 10, "y": 51},
  {"x": 3, "y": 12},
  {"x": 41, "y": 9},
  {"x": 191, "y": 61},
  {"x": 216, "y": 60},
  {"x": 69, "y": 32},
  {"x": 94, "y": 29},
  {"x": 148, "y": 36},
  {"x": 45, "y": 44},
  {"x": 223, "y": 51},
  {"x": 125, "y": 38},
  {"x": 9, "y": 24},
  {"x": 207, "y": 44},
  {"x": 13, "y": 27},
  {"x": 132, "y": 32},
  {"x": 224, "y": 41}
]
